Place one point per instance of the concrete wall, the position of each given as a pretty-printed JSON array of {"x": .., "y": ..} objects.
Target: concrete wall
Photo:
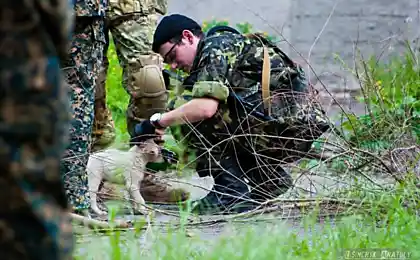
[{"x": 376, "y": 26}]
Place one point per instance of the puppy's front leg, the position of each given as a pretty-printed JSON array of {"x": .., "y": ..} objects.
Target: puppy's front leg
[
  {"x": 133, "y": 178},
  {"x": 95, "y": 175},
  {"x": 134, "y": 190}
]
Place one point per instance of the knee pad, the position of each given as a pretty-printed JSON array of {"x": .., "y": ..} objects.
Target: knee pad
[
  {"x": 148, "y": 82},
  {"x": 148, "y": 91}
]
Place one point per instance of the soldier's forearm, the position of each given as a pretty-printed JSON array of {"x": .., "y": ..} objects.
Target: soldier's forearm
[{"x": 193, "y": 111}]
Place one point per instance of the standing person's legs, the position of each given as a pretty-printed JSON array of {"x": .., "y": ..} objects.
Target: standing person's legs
[
  {"x": 142, "y": 69},
  {"x": 82, "y": 70},
  {"x": 103, "y": 132},
  {"x": 142, "y": 74}
]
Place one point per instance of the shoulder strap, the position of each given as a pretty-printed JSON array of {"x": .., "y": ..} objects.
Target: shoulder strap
[
  {"x": 265, "y": 82},
  {"x": 266, "y": 71}
]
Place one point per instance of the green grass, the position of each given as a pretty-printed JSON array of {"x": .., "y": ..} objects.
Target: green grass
[
  {"x": 390, "y": 223},
  {"x": 397, "y": 228},
  {"x": 117, "y": 97}
]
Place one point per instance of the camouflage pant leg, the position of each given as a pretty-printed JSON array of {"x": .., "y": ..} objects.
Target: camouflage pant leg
[
  {"x": 34, "y": 219},
  {"x": 133, "y": 37},
  {"x": 103, "y": 132},
  {"x": 82, "y": 71}
]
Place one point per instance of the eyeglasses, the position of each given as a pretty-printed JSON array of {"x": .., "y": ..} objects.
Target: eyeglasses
[{"x": 170, "y": 55}]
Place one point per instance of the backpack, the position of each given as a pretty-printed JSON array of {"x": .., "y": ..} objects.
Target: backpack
[{"x": 283, "y": 138}]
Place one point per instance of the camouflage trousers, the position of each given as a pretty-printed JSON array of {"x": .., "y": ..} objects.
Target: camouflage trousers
[
  {"x": 82, "y": 68},
  {"x": 103, "y": 132},
  {"x": 132, "y": 35},
  {"x": 34, "y": 219}
]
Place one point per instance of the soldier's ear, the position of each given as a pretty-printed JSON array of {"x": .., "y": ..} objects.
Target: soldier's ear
[{"x": 188, "y": 36}]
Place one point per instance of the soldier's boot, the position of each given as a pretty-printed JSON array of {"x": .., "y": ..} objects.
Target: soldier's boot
[
  {"x": 266, "y": 178},
  {"x": 230, "y": 193},
  {"x": 155, "y": 189},
  {"x": 269, "y": 184}
]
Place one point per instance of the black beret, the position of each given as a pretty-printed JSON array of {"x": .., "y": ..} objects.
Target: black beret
[{"x": 171, "y": 26}]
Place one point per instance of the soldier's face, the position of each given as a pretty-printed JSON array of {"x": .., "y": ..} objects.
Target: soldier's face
[{"x": 180, "y": 55}]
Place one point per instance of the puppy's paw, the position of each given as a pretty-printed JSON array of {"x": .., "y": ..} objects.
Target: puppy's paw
[{"x": 99, "y": 212}]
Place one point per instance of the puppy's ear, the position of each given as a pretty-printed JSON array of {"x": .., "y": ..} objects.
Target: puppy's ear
[{"x": 159, "y": 141}]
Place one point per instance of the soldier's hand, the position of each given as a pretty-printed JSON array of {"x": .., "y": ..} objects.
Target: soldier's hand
[
  {"x": 159, "y": 135},
  {"x": 143, "y": 131},
  {"x": 160, "y": 132}
]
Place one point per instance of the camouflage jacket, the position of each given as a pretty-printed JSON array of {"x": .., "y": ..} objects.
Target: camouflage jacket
[
  {"x": 229, "y": 65},
  {"x": 90, "y": 7}
]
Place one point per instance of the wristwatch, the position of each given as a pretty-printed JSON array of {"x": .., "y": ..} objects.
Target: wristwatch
[{"x": 155, "y": 118}]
